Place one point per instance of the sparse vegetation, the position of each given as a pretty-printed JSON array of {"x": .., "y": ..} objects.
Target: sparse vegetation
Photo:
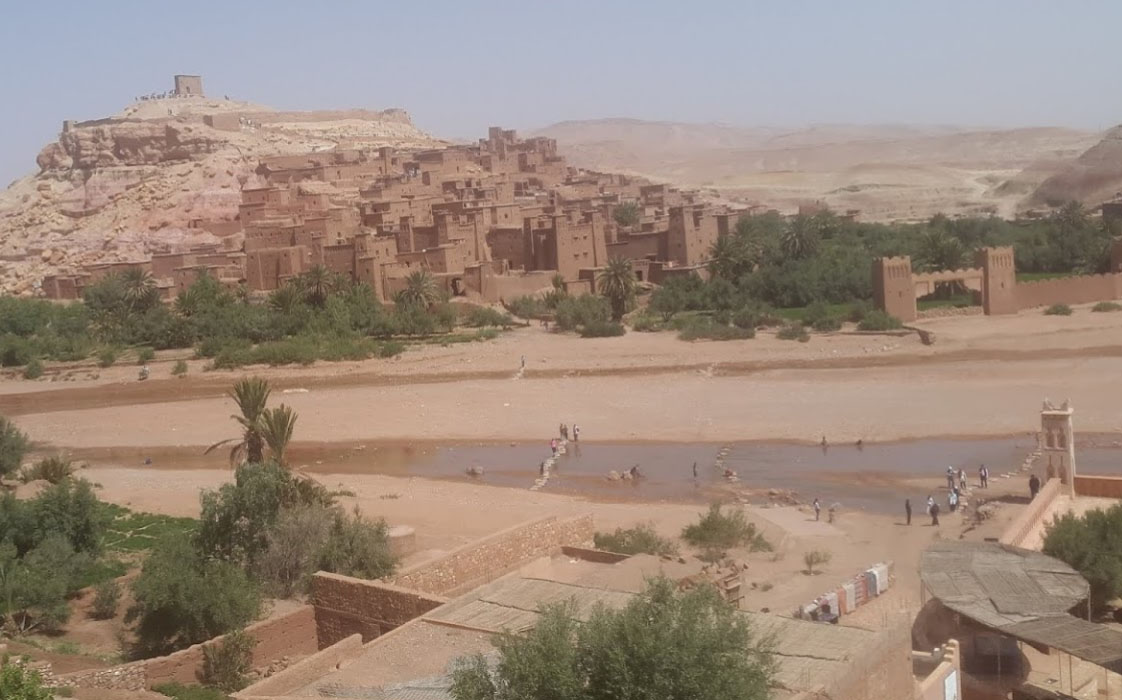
[
  {"x": 1106, "y": 307},
  {"x": 180, "y": 368},
  {"x": 226, "y": 663},
  {"x": 33, "y": 369},
  {"x": 1058, "y": 310},
  {"x": 107, "y": 596},
  {"x": 723, "y": 529},
  {"x": 793, "y": 331},
  {"x": 815, "y": 559},
  {"x": 19, "y": 683},
  {"x": 179, "y": 691},
  {"x": 877, "y": 320},
  {"x": 602, "y": 329},
  {"x": 13, "y": 446},
  {"x": 640, "y": 539},
  {"x": 52, "y": 469},
  {"x": 106, "y": 357},
  {"x": 627, "y": 214},
  {"x": 145, "y": 355}
]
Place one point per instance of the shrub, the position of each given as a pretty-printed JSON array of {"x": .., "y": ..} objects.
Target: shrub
[
  {"x": 14, "y": 445},
  {"x": 292, "y": 549},
  {"x": 52, "y": 469},
  {"x": 815, "y": 558},
  {"x": 1106, "y": 306},
  {"x": 180, "y": 368},
  {"x": 486, "y": 334},
  {"x": 107, "y": 595},
  {"x": 602, "y": 329},
  {"x": 390, "y": 348},
  {"x": 641, "y": 539},
  {"x": 877, "y": 320},
  {"x": 189, "y": 692},
  {"x": 645, "y": 323},
  {"x": 482, "y": 316},
  {"x": 226, "y": 663},
  {"x": 184, "y": 599},
  {"x": 746, "y": 318},
  {"x": 1058, "y": 310},
  {"x": 717, "y": 528},
  {"x": 858, "y": 310},
  {"x": 145, "y": 355},
  {"x": 1092, "y": 545},
  {"x": 527, "y": 307},
  {"x": 106, "y": 357},
  {"x": 587, "y": 309},
  {"x": 627, "y": 214},
  {"x": 357, "y": 547},
  {"x": 793, "y": 331},
  {"x": 704, "y": 328},
  {"x": 19, "y": 683},
  {"x": 827, "y": 325},
  {"x": 34, "y": 369}
]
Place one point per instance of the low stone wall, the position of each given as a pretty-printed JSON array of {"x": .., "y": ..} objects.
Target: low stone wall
[
  {"x": 305, "y": 671},
  {"x": 293, "y": 634},
  {"x": 1098, "y": 486},
  {"x": 346, "y": 606},
  {"x": 489, "y": 558},
  {"x": 1030, "y": 517}
]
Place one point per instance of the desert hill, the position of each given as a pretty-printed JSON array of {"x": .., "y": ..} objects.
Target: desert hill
[
  {"x": 1092, "y": 178},
  {"x": 885, "y": 171},
  {"x": 118, "y": 188}
]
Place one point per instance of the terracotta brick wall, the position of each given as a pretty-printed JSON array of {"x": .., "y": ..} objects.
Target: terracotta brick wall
[
  {"x": 345, "y": 606},
  {"x": 487, "y": 559}
]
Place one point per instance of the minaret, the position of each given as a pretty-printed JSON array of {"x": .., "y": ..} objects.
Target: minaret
[{"x": 1057, "y": 440}]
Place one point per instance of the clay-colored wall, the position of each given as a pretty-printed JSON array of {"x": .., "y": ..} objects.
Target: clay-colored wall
[
  {"x": 1098, "y": 486},
  {"x": 933, "y": 686},
  {"x": 1068, "y": 290},
  {"x": 1029, "y": 518},
  {"x": 999, "y": 280},
  {"x": 881, "y": 670},
  {"x": 305, "y": 671},
  {"x": 487, "y": 559},
  {"x": 893, "y": 289},
  {"x": 345, "y": 606}
]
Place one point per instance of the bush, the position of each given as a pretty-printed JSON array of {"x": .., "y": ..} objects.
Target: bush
[
  {"x": 180, "y": 368},
  {"x": 145, "y": 355},
  {"x": 527, "y": 307},
  {"x": 1058, "y": 310},
  {"x": 815, "y": 558},
  {"x": 858, "y": 310},
  {"x": 587, "y": 309},
  {"x": 34, "y": 369},
  {"x": 704, "y": 328},
  {"x": 793, "y": 331},
  {"x": 13, "y": 446},
  {"x": 292, "y": 549},
  {"x": 226, "y": 663},
  {"x": 482, "y": 316},
  {"x": 627, "y": 214},
  {"x": 107, "y": 595},
  {"x": 602, "y": 329},
  {"x": 641, "y": 539},
  {"x": 19, "y": 683},
  {"x": 357, "y": 547},
  {"x": 390, "y": 348},
  {"x": 661, "y": 644},
  {"x": 1106, "y": 306},
  {"x": 106, "y": 357},
  {"x": 827, "y": 325},
  {"x": 52, "y": 469},
  {"x": 1092, "y": 545},
  {"x": 189, "y": 692},
  {"x": 725, "y": 530},
  {"x": 183, "y": 599},
  {"x": 877, "y": 320}
]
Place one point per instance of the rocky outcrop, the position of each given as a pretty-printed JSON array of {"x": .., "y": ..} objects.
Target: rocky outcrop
[
  {"x": 128, "y": 143},
  {"x": 1094, "y": 177}
]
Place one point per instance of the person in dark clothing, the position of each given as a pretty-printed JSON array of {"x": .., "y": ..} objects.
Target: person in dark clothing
[
  {"x": 908, "y": 509},
  {"x": 695, "y": 470},
  {"x": 934, "y": 514},
  {"x": 1034, "y": 486}
]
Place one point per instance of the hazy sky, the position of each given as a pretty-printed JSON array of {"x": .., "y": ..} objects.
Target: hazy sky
[{"x": 458, "y": 67}]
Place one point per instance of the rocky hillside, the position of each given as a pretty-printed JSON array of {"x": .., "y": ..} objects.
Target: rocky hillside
[
  {"x": 1094, "y": 177},
  {"x": 121, "y": 187},
  {"x": 885, "y": 171}
]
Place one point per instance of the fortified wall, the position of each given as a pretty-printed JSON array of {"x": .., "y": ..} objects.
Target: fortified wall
[{"x": 896, "y": 286}]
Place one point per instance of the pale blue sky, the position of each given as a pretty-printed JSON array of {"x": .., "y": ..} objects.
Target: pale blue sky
[{"x": 458, "y": 67}]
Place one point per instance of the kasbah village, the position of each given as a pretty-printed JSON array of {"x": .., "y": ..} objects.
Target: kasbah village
[{"x": 543, "y": 399}]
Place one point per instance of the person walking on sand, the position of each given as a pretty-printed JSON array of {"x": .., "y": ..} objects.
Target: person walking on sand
[
  {"x": 576, "y": 433},
  {"x": 817, "y": 509},
  {"x": 950, "y": 477},
  {"x": 934, "y": 515},
  {"x": 908, "y": 510},
  {"x": 523, "y": 362}
]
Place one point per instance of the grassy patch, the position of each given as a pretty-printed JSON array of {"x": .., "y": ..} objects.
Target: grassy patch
[
  {"x": 1106, "y": 307},
  {"x": 138, "y": 532},
  {"x": 799, "y": 313},
  {"x": 641, "y": 539},
  {"x": 1058, "y": 310}
]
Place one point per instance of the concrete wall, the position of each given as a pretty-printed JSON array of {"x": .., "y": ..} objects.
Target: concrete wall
[
  {"x": 1098, "y": 486},
  {"x": 1084, "y": 289},
  {"x": 1023, "y": 525},
  {"x": 346, "y": 606},
  {"x": 293, "y": 634},
  {"x": 489, "y": 558}
]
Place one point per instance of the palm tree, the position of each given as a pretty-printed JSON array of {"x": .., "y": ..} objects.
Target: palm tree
[
  {"x": 420, "y": 290},
  {"x": 731, "y": 256},
  {"x": 140, "y": 291},
  {"x": 617, "y": 282},
  {"x": 277, "y": 425},
  {"x": 250, "y": 394},
  {"x": 187, "y": 302},
  {"x": 286, "y": 298},
  {"x": 800, "y": 238},
  {"x": 938, "y": 251},
  {"x": 318, "y": 283}
]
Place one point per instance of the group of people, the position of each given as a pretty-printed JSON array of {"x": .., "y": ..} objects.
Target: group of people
[
  {"x": 956, "y": 484},
  {"x": 563, "y": 431}
]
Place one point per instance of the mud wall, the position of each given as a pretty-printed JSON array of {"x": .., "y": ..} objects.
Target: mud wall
[
  {"x": 881, "y": 670},
  {"x": 346, "y": 606},
  {"x": 306, "y": 670},
  {"x": 490, "y": 558},
  {"x": 289, "y": 635},
  {"x": 1098, "y": 486},
  {"x": 1030, "y": 517},
  {"x": 1068, "y": 290}
]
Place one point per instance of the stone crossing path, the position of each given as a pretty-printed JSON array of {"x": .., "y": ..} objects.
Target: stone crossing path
[
  {"x": 719, "y": 463},
  {"x": 541, "y": 481}
]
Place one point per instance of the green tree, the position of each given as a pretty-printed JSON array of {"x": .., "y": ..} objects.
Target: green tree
[
  {"x": 617, "y": 283},
  {"x": 640, "y": 539},
  {"x": 938, "y": 251},
  {"x": 800, "y": 238},
  {"x": 182, "y": 598},
  {"x": 662, "y": 645},
  {"x": 731, "y": 256},
  {"x": 627, "y": 214},
  {"x": 420, "y": 290},
  {"x": 1092, "y": 545},
  {"x": 250, "y": 394},
  {"x": 140, "y": 293},
  {"x": 13, "y": 446},
  {"x": 357, "y": 547},
  {"x": 317, "y": 284},
  {"x": 277, "y": 425},
  {"x": 19, "y": 683},
  {"x": 286, "y": 299},
  {"x": 724, "y": 530}
]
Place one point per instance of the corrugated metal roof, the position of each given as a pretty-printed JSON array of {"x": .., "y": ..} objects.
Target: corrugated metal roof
[{"x": 1021, "y": 593}]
